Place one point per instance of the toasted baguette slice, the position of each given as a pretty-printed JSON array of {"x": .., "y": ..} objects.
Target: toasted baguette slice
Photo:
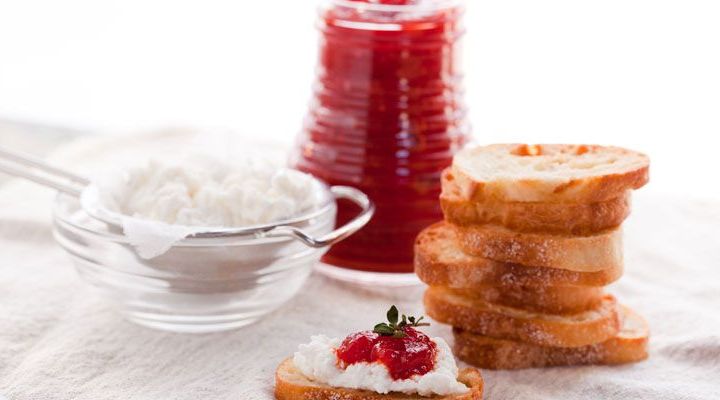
[
  {"x": 549, "y": 172},
  {"x": 439, "y": 261},
  {"x": 630, "y": 345},
  {"x": 503, "y": 322},
  {"x": 291, "y": 384},
  {"x": 538, "y": 298},
  {"x": 592, "y": 253},
  {"x": 563, "y": 218}
]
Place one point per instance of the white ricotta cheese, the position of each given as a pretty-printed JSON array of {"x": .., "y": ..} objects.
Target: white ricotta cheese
[
  {"x": 318, "y": 361},
  {"x": 204, "y": 192}
]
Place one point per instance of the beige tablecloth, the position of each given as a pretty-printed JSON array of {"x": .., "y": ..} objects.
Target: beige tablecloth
[{"x": 58, "y": 340}]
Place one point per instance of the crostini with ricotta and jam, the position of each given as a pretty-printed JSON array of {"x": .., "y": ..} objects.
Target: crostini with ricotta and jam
[{"x": 394, "y": 361}]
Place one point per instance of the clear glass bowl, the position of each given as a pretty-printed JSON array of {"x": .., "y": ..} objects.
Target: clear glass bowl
[{"x": 202, "y": 284}]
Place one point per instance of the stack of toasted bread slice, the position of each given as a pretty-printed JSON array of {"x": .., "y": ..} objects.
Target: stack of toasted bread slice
[{"x": 531, "y": 236}]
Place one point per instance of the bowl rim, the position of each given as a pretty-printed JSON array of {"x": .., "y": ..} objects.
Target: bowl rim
[{"x": 327, "y": 205}]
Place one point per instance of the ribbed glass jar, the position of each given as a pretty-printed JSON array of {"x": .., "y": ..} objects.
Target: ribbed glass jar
[{"x": 386, "y": 116}]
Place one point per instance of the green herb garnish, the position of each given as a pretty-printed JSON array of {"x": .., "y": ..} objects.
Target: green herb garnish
[{"x": 393, "y": 327}]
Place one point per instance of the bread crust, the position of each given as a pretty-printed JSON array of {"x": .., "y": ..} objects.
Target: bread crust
[
  {"x": 439, "y": 261},
  {"x": 503, "y": 322},
  {"x": 541, "y": 299},
  {"x": 630, "y": 345},
  {"x": 562, "y": 218},
  {"x": 590, "y": 253},
  {"x": 590, "y": 173},
  {"x": 290, "y": 384}
]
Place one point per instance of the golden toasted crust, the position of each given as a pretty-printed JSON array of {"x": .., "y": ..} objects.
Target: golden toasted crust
[
  {"x": 439, "y": 261},
  {"x": 630, "y": 345},
  {"x": 597, "y": 252},
  {"x": 551, "y": 173},
  {"x": 563, "y": 218},
  {"x": 290, "y": 384},
  {"x": 538, "y": 298},
  {"x": 502, "y": 322}
]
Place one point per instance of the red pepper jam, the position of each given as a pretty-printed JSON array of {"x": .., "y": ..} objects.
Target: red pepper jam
[
  {"x": 404, "y": 357},
  {"x": 386, "y": 117}
]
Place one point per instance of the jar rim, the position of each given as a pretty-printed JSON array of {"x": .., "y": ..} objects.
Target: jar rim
[{"x": 427, "y": 5}]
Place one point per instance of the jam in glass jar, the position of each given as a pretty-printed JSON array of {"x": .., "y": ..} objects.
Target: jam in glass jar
[{"x": 387, "y": 116}]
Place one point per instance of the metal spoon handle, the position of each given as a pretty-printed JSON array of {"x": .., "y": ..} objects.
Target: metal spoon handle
[
  {"x": 38, "y": 171},
  {"x": 352, "y": 226}
]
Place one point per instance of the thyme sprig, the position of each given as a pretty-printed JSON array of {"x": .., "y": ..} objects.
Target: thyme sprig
[{"x": 394, "y": 326}]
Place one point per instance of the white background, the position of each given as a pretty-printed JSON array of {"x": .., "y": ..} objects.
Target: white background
[{"x": 637, "y": 73}]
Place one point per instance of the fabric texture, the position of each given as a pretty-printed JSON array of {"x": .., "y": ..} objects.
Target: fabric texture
[{"x": 59, "y": 340}]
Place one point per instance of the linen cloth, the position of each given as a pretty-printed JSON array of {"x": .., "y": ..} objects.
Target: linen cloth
[{"x": 59, "y": 340}]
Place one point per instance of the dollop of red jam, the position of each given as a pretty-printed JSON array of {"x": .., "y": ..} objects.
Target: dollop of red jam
[
  {"x": 413, "y": 354},
  {"x": 388, "y": 2}
]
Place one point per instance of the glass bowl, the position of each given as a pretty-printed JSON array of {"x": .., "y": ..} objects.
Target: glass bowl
[{"x": 204, "y": 283}]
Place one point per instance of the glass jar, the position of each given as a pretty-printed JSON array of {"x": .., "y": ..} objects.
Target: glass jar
[{"x": 387, "y": 116}]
